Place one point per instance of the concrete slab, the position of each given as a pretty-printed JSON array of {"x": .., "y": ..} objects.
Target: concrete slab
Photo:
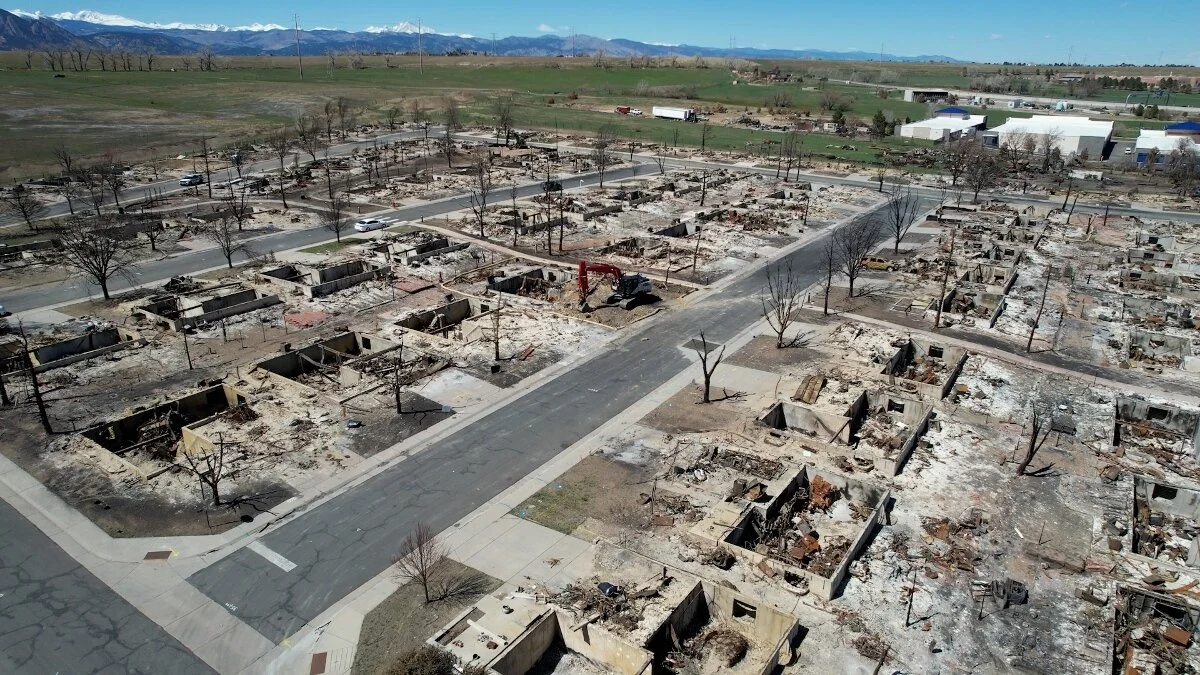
[
  {"x": 512, "y": 551},
  {"x": 235, "y": 649},
  {"x": 459, "y": 390},
  {"x": 562, "y": 553},
  {"x": 202, "y": 625},
  {"x": 36, "y": 319},
  {"x": 173, "y": 604},
  {"x": 462, "y": 548}
]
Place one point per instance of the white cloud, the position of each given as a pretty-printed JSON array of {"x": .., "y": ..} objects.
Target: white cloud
[
  {"x": 996, "y": 36},
  {"x": 546, "y": 28}
]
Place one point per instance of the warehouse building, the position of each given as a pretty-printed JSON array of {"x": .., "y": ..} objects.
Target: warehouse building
[
  {"x": 1161, "y": 143},
  {"x": 948, "y": 124},
  {"x": 1072, "y": 135}
]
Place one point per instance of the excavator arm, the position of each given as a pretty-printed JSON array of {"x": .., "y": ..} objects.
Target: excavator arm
[{"x": 585, "y": 267}]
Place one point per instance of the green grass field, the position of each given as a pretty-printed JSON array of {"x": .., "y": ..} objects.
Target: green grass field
[{"x": 136, "y": 115}]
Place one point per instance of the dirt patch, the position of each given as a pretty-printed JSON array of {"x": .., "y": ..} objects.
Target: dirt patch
[
  {"x": 683, "y": 414},
  {"x": 593, "y": 488},
  {"x": 403, "y": 621},
  {"x": 762, "y": 354},
  {"x": 381, "y": 429}
]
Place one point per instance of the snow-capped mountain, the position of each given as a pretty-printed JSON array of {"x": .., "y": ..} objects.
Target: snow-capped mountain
[
  {"x": 101, "y": 19},
  {"x": 29, "y": 30}
]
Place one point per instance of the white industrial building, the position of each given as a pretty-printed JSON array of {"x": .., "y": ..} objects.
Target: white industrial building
[
  {"x": 950, "y": 124},
  {"x": 1073, "y": 135},
  {"x": 1162, "y": 141}
]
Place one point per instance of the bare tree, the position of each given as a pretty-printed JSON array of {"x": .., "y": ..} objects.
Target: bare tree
[
  {"x": 96, "y": 252},
  {"x": 703, "y": 352},
  {"x": 420, "y": 557},
  {"x": 503, "y": 115},
  {"x": 451, "y": 121},
  {"x": 1047, "y": 141},
  {"x": 206, "y": 59},
  {"x": 238, "y": 206},
  {"x": 21, "y": 202},
  {"x": 1037, "y": 318},
  {"x": 35, "y": 386},
  {"x": 211, "y": 468},
  {"x": 606, "y": 136},
  {"x": 346, "y": 115},
  {"x": 829, "y": 266},
  {"x": 112, "y": 173},
  {"x": 1037, "y": 424},
  {"x": 1183, "y": 168},
  {"x": 705, "y": 131},
  {"x": 91, "y": 179},
  {"x": 788, "y": 149},
  {"x": 308, "y": 135},
  {"x": 280, "y": 142},
  {"x": 900, "y": 211},
  {"x": 336, "y": 218},
  {"x": 66, "y": 161},
  {"x": 955, "y": 157},
  {"x": 29, "y": 54},
  {"x": 1015, "y": 147},
  {"x": 980, "y": 172},
  {"x": 390, "y": 116},
  {"x": 661, "y": 163},
  {"x": 150, "y": 55},
  {"x": 781, "y": 299},
  {"x": 204, "y": 152},
  {"x": 481, "y": 187},
  {"x": 857, "y": 239},
  {"x": 224, "y": 235},
  {"x": 417, "y": 112}
]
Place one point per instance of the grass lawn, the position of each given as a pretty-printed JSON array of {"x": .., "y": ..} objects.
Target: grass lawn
[
  {"x": 403, "y": 621},
  {"x": 333, "y": 246}
]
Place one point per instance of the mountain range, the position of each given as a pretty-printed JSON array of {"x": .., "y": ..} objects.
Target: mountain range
[{"x": 25, "y": 31}]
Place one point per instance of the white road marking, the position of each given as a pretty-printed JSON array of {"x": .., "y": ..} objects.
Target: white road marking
[{"x": 271, "y": 556}]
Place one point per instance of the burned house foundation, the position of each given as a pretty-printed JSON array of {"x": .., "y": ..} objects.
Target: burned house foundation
[
  {"x": 811, "y": 532},
  {"x": 186, "y": 310},
  {"x": 314, "y": 282}
]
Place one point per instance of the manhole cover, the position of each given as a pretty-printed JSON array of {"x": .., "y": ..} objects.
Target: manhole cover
[{"x": 158, "y": 555}]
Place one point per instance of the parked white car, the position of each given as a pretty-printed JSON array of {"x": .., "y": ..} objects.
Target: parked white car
[
  {"x": 191, "y": 179},
  {"x": 368, "y": 224},
  {"x": 635, "y": 111}
]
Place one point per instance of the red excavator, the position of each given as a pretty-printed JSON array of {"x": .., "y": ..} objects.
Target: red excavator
[{"x": 627, "y": 288}]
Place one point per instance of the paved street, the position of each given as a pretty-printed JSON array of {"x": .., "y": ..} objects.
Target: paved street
[
  {"x": 56, "y": 617},
  {"x": 344, "y": 542},
  {"x": 135, "y": 193},
  {"x": 20, "y": 300}
]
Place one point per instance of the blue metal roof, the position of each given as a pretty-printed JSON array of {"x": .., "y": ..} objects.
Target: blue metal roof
[
  {"x": 953, "y": 111},
  {"x": 1184, "y": 126}
]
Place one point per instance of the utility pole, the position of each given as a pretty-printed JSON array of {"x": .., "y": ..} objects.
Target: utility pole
[
  {"x": 937, "y": 320},
  {"x": 496, "y": 324},
  {"x": 493, "y": 44},
  {"x": 421, "y": 45},
  {"x": 187, "y": 351},
  {"x": 299, "y": 59}
]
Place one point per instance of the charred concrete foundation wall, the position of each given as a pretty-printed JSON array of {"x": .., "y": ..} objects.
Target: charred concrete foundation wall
[
  {"x": 125, "y": 434},
  {"x": 179, "y": 312},
  {"x": 83, "y": 348},
  {"x": 1137, "y": 417},
  {"x": 823, "y": 587},
  {"x": 316, "y": 282},
  {"x": 827, "y": 427}
]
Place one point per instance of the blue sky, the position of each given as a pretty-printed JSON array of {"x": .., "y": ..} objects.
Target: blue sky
[{"x": 1092, "y": 31}]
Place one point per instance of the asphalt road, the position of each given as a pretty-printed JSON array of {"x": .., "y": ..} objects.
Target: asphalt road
[
  {"x": 344, "y": 542},
  {"x": 76, "y": 288},
  {"x": 136, "y": 193},
  {"x": 55, "y": 617}
]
